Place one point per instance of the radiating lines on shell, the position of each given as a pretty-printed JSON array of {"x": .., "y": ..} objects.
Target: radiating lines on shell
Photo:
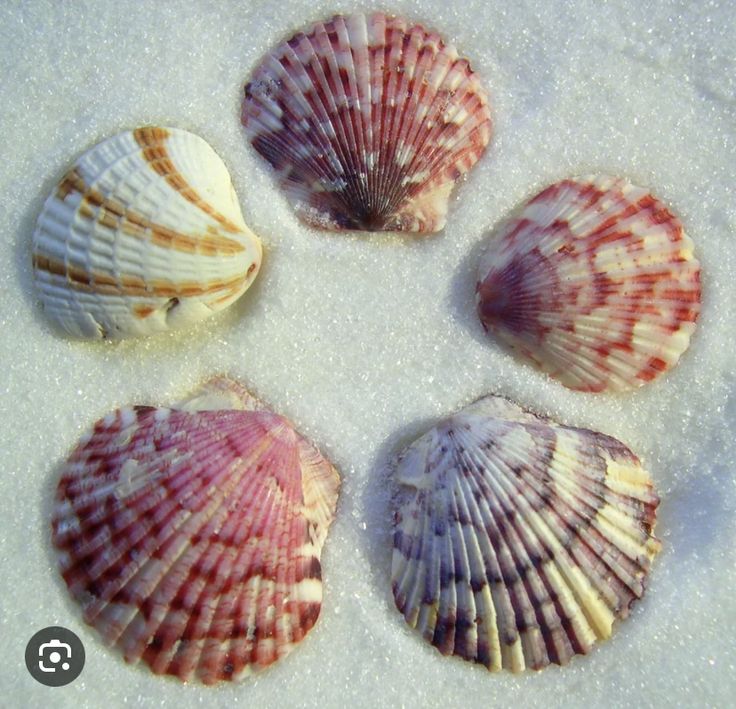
[
  {"x": 126, "y": 245},
  {"x": 594, "y": 281},
  {"x": 368, "y": 123},
  {"x": 519, "y": 542},
  {"x": 191, "y": 537}
]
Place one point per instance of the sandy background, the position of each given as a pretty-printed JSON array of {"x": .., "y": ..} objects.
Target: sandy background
[{"x": 364, "y": 342}]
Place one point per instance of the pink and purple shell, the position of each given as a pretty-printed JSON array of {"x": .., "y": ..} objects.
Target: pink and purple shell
[{"x": 192, "y": 538}]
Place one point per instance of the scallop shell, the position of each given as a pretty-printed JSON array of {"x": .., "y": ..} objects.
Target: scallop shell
[
  {"x": 368, "y": 121},
  {"x": 518, "y": 541},
  {"x": 144, "y": 233},
  {"x": 192, "y": 535},
  {"x": 595, "y": 282}
]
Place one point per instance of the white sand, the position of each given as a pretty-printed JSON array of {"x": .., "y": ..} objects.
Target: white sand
[{"x": 365, "y": 341}]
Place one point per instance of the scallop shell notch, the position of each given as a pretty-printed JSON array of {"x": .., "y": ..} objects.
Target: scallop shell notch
[
  {"x": 518, "y": 542},
  {"x": 594, "y": 282},
  {"x": 368, "y": 122},
  {"x": 191, "y": 536},
  {"x": 143, "y": 234}
]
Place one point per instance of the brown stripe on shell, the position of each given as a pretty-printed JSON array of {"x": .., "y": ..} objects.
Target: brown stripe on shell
[
  {"x": 96, "y": 282},
  {"x": 152, "y": 141},
  {"x": 115, "y": 215}
]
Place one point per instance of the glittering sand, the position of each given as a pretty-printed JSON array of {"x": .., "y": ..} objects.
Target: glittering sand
[{"x": 364, "y": 342}]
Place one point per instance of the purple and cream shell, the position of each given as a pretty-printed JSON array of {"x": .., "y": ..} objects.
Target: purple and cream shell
[{"x": 518, "y": 542}]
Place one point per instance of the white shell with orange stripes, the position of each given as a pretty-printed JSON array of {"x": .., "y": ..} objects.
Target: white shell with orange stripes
[
  {"x": 368, "y": 120},
  {"x": 143, "y": 233},
  {"x": 595, "y": 282}
]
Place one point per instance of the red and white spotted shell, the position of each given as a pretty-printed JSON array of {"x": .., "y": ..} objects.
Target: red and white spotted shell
[
  {"x": 368, "y": 121},
  {"x": 191, "y": 535},
  {"x": 595, "y": 282},
  {"x": 518, "y": 542}
]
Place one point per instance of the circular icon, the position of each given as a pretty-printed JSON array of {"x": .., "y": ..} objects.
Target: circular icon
[{"x": 55, "y": 656}]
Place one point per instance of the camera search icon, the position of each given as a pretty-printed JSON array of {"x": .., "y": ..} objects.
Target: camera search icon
[{"x": 55, "y": 656}]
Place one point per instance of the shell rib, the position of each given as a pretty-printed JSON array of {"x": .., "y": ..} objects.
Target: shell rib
[
  {"x": 191, "y": 536},
  {"x": 518, "y": 541},
  {"x": 144, "y": 233},
  {"x": 368, "y": 121},
  {"x": 594, "y": 282}
]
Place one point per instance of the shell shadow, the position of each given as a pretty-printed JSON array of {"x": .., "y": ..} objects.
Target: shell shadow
[
  {"x": 697, "y": 513},
  {"x": 460, "y": 298},
  {"x": 378, "y": 507}
]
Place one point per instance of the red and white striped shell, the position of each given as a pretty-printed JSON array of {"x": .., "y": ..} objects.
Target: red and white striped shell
[
  {"x": 191, "y": 535},
  {"x": 143, "y": 234},
  {"x": 368, "y": 121},
  {"x": 519, "y": 542},
  {"x": 595, "y": 282}
]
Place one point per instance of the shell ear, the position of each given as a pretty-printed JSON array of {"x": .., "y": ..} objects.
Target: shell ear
[
  {"x": 518, "y": 542},
  {"x": 143, "y": 234},
  {"x": 192, "y": 537},
  {"x": 368, "y": 122},
  {"x": 595, "y": 282}
]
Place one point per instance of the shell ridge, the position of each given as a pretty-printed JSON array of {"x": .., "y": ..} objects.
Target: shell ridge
[
  {"x": 342, "y": 127},
  {"x": 344, "y": 118},
  {"x": 92, "y": 192},
  {"x": 408, "y": 126},
  {"x": 434, "y": 125},
  {"x": 628, "y": 291},
  {"x": 407, "y": 540},
  {"x": 341, "y": 148},
  {"x": 205, "y": 629},
  {"x": 468, "y": 631},
  {"x": 582, "y": 508},
  {"x": 549, "y": 532},
  {"x": 397, "y": 144},
  {"x": 427, "y": 585},
  {"x": 449, "y": 608},
  {"x": 582, "y": 375},
  {"x": 162, "y": 163},
  {"x": 488, "y": 649},
  {"x": 503, "y": 539},
  {"x": 319, "y": 110},
  {"x": 392, "y": 123},
  {"x": 519, "y": 545},
  {"x": 357, "y": 36},
  {"x": 198, "y": 524},
  {"x": 212, "y": 646},
  {"x": 410, "y": 586}
]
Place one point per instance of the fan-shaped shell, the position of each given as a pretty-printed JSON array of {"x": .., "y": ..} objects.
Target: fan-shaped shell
[
  {"x": 518, "y": 542},
  {"x": 143, "y": 233},
  {"x": 192, "y": 535},
  {"x": 595, "y": 282},
  {"x": 368, "y": 121}
]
